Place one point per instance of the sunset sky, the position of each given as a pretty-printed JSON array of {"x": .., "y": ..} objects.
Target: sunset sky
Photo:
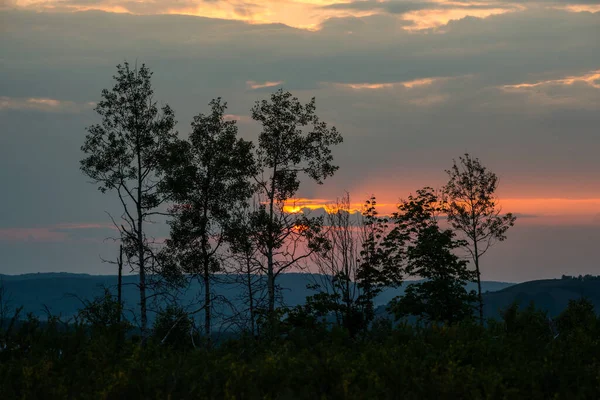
[{"x": 411, "y": 85}]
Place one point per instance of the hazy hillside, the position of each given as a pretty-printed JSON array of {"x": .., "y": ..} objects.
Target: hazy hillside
[
  {"x": 551, "y": 295},
  {"x": 62, "y": 292}
]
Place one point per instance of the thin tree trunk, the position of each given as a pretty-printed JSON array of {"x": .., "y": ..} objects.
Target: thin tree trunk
[
  {"x": 250, "y": 296},
  {"x": 143, "y": 312},
  {"x": 120, "y": 284},
  {"x": 207, "y": 304},
  {"x": 480, "y": 296},
  {"x": 141, "y": 253},
  {"x": 270, "y": 245},
  {"x": 206, "y": 272}
]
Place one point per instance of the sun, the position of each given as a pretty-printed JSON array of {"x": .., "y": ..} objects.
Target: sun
[{"x": 292, "y": 209}]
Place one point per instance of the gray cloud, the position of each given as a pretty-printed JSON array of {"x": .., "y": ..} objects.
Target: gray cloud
[{"x": 402, "y": 7}]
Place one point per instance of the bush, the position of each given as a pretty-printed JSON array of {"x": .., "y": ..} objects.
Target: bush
[{"x": 516, "y": 358}]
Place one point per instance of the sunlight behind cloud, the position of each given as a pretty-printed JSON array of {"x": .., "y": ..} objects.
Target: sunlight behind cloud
[
  {"x": 302, "y": 14},
  {"x": 592, "y": 8},
  {"x": 295, "y": 206},
  {"x": 435, "y": 18},
  {"x": 532, "y": 210}
]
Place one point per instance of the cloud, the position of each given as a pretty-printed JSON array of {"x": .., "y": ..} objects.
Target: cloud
[
  {"x": 56, "y": 233},
  {"x": 580, "y": 91},
  {"x": 311, "y": 14},
  {"x": 591, "y": 8},
  {"x": 43, "y": 104},
  {"x": 521, "y": 207},
  {"x": 253, "y": 85},
  {"x": 238, "y": 118},
  {"x": 591, "y": 78},
  {"x": 307, "y": 14},
  {"x": 388, "y": 85},
  {"x": 304, "y": 14},
  {"x": 429, "y": 14}
]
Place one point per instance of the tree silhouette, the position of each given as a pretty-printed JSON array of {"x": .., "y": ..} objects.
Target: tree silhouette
[
  {"x": 380, "y": 258},
  {"x": 123, "y": 153},
  {"x": 429, "y": 255},
  {"x": 285, "y": 150},
  {"x": 473, "y": 210},
  {"x": 338, "y": 265},
  {"x": 207, "y": 177}
]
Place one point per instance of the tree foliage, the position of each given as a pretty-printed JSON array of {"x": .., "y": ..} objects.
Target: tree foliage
[
  {"x": 207, "y": 177},
  {"x": 123, "y": 155},
  {"x": 293, "y": 141},
  {"x": 380, "y": 258},
  {"x": 430, "y": 255},
  {"x": 473, "y": 210}
]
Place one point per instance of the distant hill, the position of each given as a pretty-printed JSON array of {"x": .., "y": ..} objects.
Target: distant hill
[
  {"x": 551, "y": 295},
  {"x": 63, "y": 293}
]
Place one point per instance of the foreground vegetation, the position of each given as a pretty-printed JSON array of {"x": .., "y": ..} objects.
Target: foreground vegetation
[{"x": 523, "y": 356}]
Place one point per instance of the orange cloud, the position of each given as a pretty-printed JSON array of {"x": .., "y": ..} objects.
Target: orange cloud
[
  {"x": 591, "y": 78},
  {"x": 258, "y": 85},
  {"x": 389, "y": 85},
  {"x": 435, "y": 18},
  {"x": 303, "y": 14},
  {"x": 534, "y": 210},
  {"x": 294, "y": 206},
  {"x": 592, "y": 8}
]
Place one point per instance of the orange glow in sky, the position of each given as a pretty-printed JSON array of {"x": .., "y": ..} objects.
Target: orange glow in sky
[
  {"x": 534, "y": 210},
  {"x": 303, "y": 14},
  {"x": 425, "y": 19}
]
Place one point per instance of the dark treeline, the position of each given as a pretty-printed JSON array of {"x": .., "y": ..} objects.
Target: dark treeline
[
  {"x": 587, "y": 277},
  {"x": 229, "y": 205}
]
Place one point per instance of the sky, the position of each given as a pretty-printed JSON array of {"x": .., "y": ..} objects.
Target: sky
[{"x": 411, "y": 85}]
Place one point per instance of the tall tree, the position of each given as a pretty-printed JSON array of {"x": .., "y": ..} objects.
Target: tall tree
[
  {"x": 429, "y": 255},
  {"x": 286, "y": 150},
  {"x": 207, "y": 177},
  {"x": 473, "y": 210},
  {"x": 123, "y": 153}
]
